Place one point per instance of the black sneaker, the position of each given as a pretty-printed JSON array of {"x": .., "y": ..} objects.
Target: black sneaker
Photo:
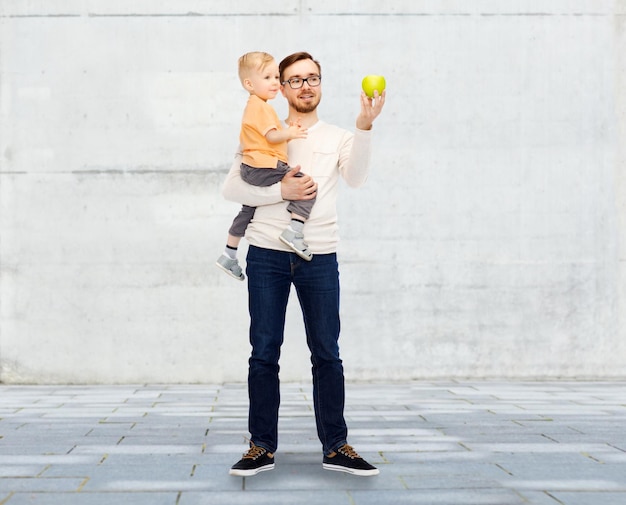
[
  {"x": 347, "y": 460},
  {"x": 256, "y": 460}
]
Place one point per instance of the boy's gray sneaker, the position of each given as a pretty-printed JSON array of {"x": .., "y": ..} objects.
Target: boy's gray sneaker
[
  {"x": 231, "y": 267},
  {"x": 295, "y": 240}
]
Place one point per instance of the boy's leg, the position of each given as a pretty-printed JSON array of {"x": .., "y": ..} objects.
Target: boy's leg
[
  {"x": 241, "y": 221},
  {"x": 228, "y": 260},
  {"x": 232, "y": 245},
  {"x": 301, "y": 208},
  {"x": 263, "y": 177},
  {"x": 291, "y": 236}
]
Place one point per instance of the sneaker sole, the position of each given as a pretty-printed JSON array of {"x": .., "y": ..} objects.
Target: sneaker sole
[
  {"x": 296, "y": 250},
  {"x": 242, "y": 278},
  {"x": 249, "y": 473},
  {"x": 351, "y": 471}
]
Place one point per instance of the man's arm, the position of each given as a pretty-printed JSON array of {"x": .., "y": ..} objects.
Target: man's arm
[
  {"x": 235, "y": 189},
  {"x": 370, "y": 109},
  {"x": 354, "y": 157}
]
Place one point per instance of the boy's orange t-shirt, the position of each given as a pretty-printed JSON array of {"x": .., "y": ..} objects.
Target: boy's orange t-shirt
[{"x": 259, "y": 117}]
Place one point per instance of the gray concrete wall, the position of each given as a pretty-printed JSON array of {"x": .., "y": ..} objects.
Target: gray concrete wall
[{"x": 489, "y": 240}]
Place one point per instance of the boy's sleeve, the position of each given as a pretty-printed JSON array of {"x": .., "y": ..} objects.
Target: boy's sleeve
[{"x": 261, "y": 116}]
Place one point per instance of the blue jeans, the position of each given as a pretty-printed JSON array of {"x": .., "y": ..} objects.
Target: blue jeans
[{"x": 270, "y": 275}]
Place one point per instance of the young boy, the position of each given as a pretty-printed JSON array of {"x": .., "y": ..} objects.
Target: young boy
[{"x": 264, "y": 163}]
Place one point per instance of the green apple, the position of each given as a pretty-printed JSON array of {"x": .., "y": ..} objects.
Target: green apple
[{"x": 373, "y": 83}]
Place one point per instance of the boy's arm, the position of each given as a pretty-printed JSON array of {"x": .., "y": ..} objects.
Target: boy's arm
[{"x": 293, "y": 131}]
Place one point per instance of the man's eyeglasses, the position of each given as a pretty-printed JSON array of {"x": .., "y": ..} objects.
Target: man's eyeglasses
[{"x": 297, "y": 82}]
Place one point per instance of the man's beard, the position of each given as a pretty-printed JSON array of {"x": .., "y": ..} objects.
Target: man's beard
[{"x": 307, "y": 107}]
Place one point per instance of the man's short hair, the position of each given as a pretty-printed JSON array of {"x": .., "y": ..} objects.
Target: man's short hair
[{"x": 292, "y": 58}]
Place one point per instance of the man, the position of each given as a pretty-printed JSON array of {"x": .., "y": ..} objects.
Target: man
[{"x": 327, "y": 153}]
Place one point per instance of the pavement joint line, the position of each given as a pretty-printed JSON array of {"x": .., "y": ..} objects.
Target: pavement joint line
[
  {"x": 7, "y": 498},
  {"x": 554, "y": 498},
  {"x": 82, "y": 485},
  {"x": 504, "y": 469},
  {"x": 587, "y": 455}
]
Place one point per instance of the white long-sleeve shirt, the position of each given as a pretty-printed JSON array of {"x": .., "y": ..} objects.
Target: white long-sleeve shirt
[{"x": 327, "y": 153}]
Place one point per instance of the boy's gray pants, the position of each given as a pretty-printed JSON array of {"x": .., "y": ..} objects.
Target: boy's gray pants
[{"x": 264, "y": 177}]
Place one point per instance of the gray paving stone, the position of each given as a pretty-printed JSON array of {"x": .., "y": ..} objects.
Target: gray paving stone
[
  {"x": 538, "y": 465},
  {"x": 320, "y": 497},
  {"x": 433, "y": 457},
  {"x": 20, "y": 471},
  {"x": 569, "y": 484},
  {"x": 130, "y": 476},
  {"x": 71, "y": 470},
  {"x": 438, "y": 496},
  {"x": 41, "y": 484},
  {"x": 172, "y": 438},
  {"x": 49, "y": 448},
  {"x": 92, "y": 498},
  {"x": 46, "y": 459},
  {"x": 456, "y": 472},
  {"x": 145, "y": 449},
  {"x": 549, "y": 447},
  {"x": 615, "y": 458},
  {"x": 590, "y": 498},
  {"x": 452, "y": 442}
]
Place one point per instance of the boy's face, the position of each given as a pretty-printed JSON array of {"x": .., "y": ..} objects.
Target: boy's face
[
  {"x": 307, "y": 98},
  {"x": 264, "y": 82}
]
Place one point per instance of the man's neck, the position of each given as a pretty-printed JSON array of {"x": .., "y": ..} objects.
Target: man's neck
[{"x": 306, "y": 120}]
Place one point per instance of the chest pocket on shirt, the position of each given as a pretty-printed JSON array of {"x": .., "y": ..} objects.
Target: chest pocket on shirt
[{"x": 324, "y": 162}]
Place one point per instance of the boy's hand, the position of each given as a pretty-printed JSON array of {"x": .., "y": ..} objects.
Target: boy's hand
[
  {"x": 296, "y": 131},
  {"x": 370, "y": 109}
]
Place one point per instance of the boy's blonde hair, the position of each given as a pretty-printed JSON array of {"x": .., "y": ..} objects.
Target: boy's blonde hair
[{"x": 256, "y": 60}]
